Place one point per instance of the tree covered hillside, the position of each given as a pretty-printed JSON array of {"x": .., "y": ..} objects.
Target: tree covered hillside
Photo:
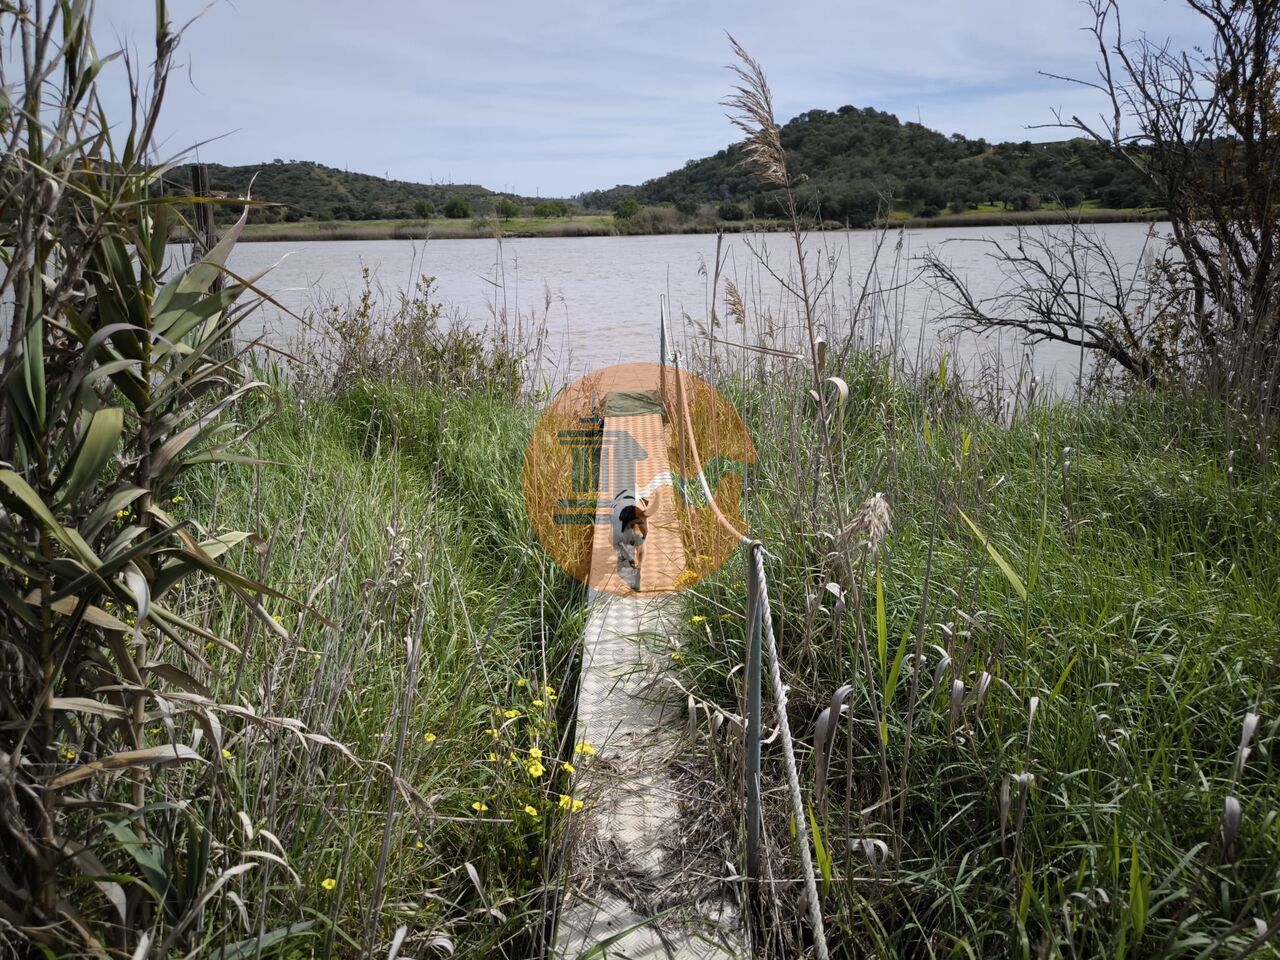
[
  {"x": 852, "y": 158},
  {"x": 312, "y": 191}
]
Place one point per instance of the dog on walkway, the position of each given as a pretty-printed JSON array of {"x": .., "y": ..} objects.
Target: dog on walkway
[{"x": 630, "y": 520}]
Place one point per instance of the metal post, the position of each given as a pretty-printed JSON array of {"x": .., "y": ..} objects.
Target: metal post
[
  {"x": 662, "y": 337},
  {"x": 662, "y": 359},
  {"x": 754, "y": 613}
]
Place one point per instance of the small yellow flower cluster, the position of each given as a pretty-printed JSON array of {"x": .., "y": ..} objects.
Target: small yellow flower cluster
[
  {"x": 429, "y": 737},
  {"x": 687, "y": 578},
  {"x": 328, "y": 883},
  {"x": 677, "y": 657},
  {"x": 697, "y": 620},
  {"x": 518, "y": 737},
  {"x": 66, "y": 754}
]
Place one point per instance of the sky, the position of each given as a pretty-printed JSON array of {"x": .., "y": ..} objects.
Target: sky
[{"x": 562, "y": 96}]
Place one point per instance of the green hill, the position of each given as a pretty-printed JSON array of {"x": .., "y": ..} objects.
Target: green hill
[
  {"x": 851, "y": 159},
  {"x": 850, "y": 163},
  {"x": 312, "y": 191}
]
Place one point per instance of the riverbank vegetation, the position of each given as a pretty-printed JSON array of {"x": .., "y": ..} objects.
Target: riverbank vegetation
[
  {"x": 656, "y": 220},
  {"x": 1059, "y": 729}
]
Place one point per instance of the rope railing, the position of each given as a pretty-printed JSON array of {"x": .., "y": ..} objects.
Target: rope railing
[{"x": 759, "y": 635}]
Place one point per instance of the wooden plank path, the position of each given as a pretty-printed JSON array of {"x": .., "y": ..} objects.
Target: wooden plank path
[{"x": 629, "y": 858}]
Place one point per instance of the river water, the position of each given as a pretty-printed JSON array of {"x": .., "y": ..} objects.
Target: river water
[{"x": 599, "y": 297}]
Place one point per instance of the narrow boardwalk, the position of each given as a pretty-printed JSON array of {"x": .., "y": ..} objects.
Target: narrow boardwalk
[{"x": 630, "y": 859}]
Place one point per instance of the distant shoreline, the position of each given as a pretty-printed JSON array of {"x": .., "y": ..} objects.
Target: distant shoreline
[{"x": 603, "y": 225}]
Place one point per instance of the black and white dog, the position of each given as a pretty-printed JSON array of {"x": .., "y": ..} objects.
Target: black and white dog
[{"x": 630, "y": 520}]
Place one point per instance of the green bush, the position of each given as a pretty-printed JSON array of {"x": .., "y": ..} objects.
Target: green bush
[
  {"x": 731, "y": 212},
  {"x": 458, "y": 208},
  {"x": 551, "y": 208}
]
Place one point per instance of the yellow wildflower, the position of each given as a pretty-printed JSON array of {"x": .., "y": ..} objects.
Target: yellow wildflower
[
  {"x": 552, "y": 697},
  {"x": 179, "y": 499},
  {"x": 493, "y": 758},
  {"x": 686, "y": 579},
  {"x": 492, "y": 732},
  {"x": 511, "y": 714},
  {"x": 531, "y": 810},
  {"x": 535, "y": 768},
  {"x": 328, "y": 883},
  {"x": 677, "y": 656},
  {"x": 429, "y": 737},
  {"x": 522, "y": 682},
  {"x": 539, "y": 704},
  {"x": 697, "y": 620},
  {"x": 702, "y": 560},
  {"x": 480, "y": 807},
  {"x": 227, "y": 754},
  {"x": 569, "y": 803},
  {"x": 419, "y": 846},
  {"x": 66, "y": 753},
  {"x": 121, "y": 514},
  {"x": 535, "y": 752},
  {"x": 585, "y": 749},
  {"x": 567, "y": 767},
  {"x": 548, "y": 690}
]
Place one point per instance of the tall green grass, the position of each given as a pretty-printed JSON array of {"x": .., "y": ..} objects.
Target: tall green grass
[
  {"x": 1064, "y": 680},
  {"x": 394, "y": 512}
]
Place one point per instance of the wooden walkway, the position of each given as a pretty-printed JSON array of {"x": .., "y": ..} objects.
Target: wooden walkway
[{"x": 630, "y": 860}]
